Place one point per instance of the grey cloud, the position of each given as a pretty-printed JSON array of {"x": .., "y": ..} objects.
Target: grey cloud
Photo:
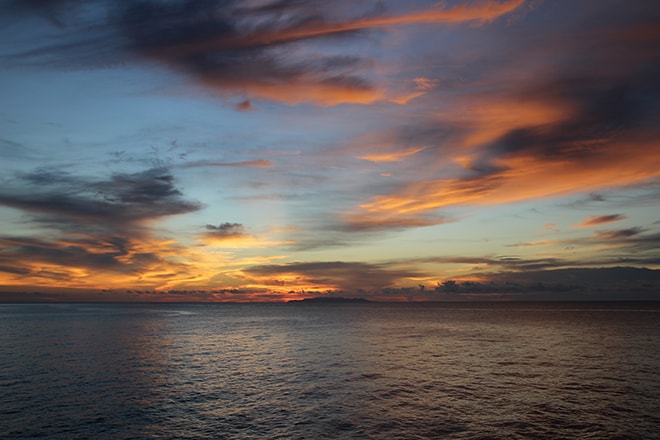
[
  {"x": 15, "y": 269},
  {"x": 123, "y": 198},
  {"x": 617, "y": 234},
  {"x": 506, "y": 262},
  {"x": 226, "y": 230},
  {"x": 582, "y": 276}
]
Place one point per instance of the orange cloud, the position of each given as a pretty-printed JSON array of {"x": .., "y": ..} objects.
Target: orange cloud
[
  {"x": 145, "y": 262},
  {"x": 258, "y": 163},
  {"x": 235, "y": 236},
  {"x": 395, "y": 156},
  {"x": 601, "y": 219},
  {"x": 242, "y": 242},
  {"x": 484, "y": 119},
  {"x": 522, "y": 177},
  {"x": 304, "y": 88}
]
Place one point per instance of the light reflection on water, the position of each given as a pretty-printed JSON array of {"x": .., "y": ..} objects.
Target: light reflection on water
[{"x": 244, "y": 371}]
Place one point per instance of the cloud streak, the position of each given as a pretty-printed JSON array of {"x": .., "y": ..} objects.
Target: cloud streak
[
  {"x": 258, "y": 163},
  {"x": 601, "y": 220}
]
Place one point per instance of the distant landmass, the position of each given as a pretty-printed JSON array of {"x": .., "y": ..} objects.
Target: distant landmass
[{"x": 329, "y": 300}]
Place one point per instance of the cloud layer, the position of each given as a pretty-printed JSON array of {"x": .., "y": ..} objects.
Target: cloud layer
[{"x": 266, "y": 147}]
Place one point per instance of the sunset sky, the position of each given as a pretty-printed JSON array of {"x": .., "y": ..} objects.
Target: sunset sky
[{"x": 189, "y": 150}]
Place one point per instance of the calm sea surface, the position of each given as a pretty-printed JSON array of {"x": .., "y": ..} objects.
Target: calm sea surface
[{"x": 352, "y": 371}]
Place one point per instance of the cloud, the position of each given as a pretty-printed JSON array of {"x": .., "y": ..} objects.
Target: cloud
[
  {"x": 235, "y": 236},
  {"x": 374, "y": 221},
  {"x": 511, "y": 263},
  {"x": 552, "y": 128},
  {"x": 482, "y": 11},
  {"x": 226, "y": 234},
  {"x": 266, "y": 50},
  {"x": 125, "y": 198},
  {"x": 245, "y": 106},
  {"x": 259, "y": 163},
  {"x": 601, "y": 219},
  {"x": 247, "y": 51},
  {"x": 603, "y": 277},
  {"x": 617, "y": 234},
  {"x": 226, "y": 230},
  {"x": 340, "y": 275},
  {"x": 88, "y": 229},
  {"x": 93, "y": 260},
  {"x": 395, "y": 156}
]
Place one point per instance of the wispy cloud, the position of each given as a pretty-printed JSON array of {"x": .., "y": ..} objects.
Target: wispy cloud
[
  {"x": 395, "y": 156},
  {"x": 258, "y": 163},
  {"x": 601, "y": 219},
  {"x": 617, "y": 234}
]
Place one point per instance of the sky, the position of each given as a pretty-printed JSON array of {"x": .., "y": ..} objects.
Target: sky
[{"x": 267, "y": 150}]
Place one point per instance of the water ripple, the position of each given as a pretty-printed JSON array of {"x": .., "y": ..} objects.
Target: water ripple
[{"x": 367, "y": 371}]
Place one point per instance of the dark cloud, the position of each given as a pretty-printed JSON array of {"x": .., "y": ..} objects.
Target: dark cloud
[
  {"x": 122, "y": 199},
  {"x": 20, "y": 253},
  {"x": 17, "y": 270},
  {"x": 505, "y": 263},
  {"x": 582, "y": 276},
  {"x": 608, "y": 101},
  {"x": 607, "y": 111},
  {"x": 227, "y": 45},
  {"x": 245, "y": 106},
  {"x": 618, "y": 246},
  {"x": 238, "y": 47},
  {"x": 617, "y": 234},
  {"x": 72, "y": 258},
  {"x": 226, "y": 230}
]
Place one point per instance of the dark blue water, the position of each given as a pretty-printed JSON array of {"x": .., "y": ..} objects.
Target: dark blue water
[{"x": 354, "y": 371}]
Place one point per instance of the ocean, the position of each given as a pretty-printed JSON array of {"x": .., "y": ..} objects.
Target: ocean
[{"x": 330, "y": 371}]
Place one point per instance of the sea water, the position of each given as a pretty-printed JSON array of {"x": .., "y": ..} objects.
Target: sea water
[{"x": 330, "y": 371}]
